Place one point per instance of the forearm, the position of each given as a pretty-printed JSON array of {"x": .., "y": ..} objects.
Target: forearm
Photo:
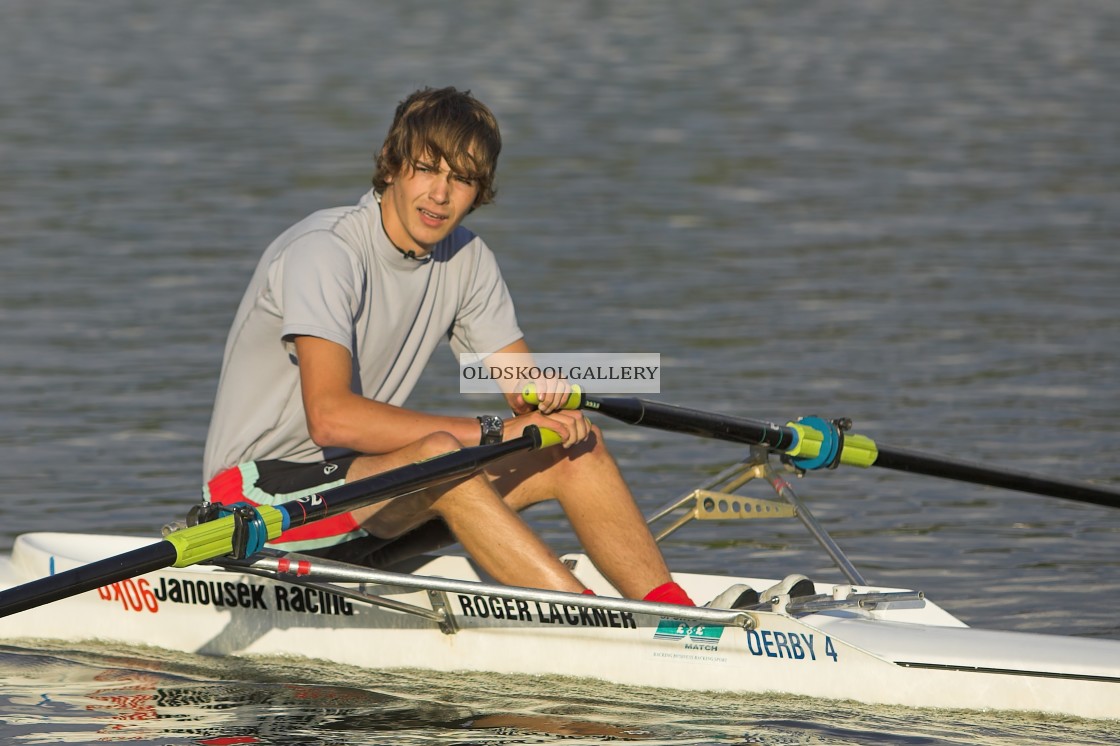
[
  {"x": 339, "y": 418},
  {"x": 356, "y": 423}
]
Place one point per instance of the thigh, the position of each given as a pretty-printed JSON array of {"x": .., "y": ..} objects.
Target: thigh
[
  {"x": 395, "y": 516},
  {"x": 525, "y": 479}
]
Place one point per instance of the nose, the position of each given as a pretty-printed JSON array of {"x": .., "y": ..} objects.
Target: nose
[{"x": 440, "y": 189}]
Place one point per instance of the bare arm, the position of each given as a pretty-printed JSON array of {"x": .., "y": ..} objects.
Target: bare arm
[{"x": 337, "y": 417}]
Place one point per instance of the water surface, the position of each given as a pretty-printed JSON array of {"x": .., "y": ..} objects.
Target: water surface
[{"x": 903, "y": 214}]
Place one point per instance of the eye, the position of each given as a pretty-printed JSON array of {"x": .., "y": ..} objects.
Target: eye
[
  {"x": 425, "y": 167},
  {"x": 466, "y": 180}
]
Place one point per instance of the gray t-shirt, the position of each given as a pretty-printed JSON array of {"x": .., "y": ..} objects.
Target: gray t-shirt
[{"x": 336, "y": 275}]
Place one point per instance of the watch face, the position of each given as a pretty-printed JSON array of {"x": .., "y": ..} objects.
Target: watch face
[{"x": 492, "y": 427}]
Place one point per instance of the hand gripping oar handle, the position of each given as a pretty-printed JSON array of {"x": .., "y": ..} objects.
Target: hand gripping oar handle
[
  {"x": 207, "y": 541},
  {"x": 800, "y": 440},
  {"x": 811, "y": 443}
]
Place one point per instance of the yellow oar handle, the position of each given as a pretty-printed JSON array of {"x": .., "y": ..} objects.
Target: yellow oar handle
[
  {"x": 575, "y": 399},
  {"x": 550, "y": 438}
]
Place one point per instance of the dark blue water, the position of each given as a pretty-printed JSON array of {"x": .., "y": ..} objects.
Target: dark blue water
[{"x": 907, "y": 214}]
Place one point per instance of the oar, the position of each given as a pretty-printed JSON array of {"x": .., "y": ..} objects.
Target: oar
[
  {"x": 213, "y": 539},
  {"x": 813, "y": 443}
]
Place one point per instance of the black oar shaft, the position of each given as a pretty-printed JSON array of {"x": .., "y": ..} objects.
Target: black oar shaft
[
  {"x": 779, "y": 438},
  {"x": 694, "y": 422},
  {"x": 901, "y": 459},
  {"x": 87, "y": 577}
]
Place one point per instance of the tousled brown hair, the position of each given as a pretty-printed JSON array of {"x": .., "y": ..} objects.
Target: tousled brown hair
[{"x": 447, "y": 123}]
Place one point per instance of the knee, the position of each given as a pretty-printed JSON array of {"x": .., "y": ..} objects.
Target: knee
[
  {"x": 595, "y": 445},
  {"x": 586, "y": 454},
  {"x": 597, "y": 437},
  {"x": 437, "y": 444}
]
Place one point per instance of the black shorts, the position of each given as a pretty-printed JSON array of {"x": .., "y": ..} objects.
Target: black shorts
[
  {"x": 274, "y": 482},
  {"x": 282, "y": 479}
]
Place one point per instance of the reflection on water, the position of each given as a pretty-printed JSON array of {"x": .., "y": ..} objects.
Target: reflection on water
[{"x": 53, "y": 695}]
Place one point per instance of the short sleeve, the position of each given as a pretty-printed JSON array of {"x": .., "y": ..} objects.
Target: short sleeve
[
  {"x": 319, "y": 283},
  {"x": 487, "y": 320}
]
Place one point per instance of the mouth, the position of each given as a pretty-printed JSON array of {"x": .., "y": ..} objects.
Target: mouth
[{"x": 431, "y": 218}]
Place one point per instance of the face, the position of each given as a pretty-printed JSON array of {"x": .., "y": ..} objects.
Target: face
[{"x": 423, "y": 204}]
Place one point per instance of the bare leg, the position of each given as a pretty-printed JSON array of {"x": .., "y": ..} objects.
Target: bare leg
[
  {"x": 492, "y": 533},
  {"x": 586, "y": 481}
]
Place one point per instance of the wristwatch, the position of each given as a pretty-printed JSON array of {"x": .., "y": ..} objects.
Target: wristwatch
[{"x": 492, "y": 427}]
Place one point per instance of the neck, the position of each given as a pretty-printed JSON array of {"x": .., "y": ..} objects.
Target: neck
[
  {"x": 410, "y": 254},
  {"x": 417, "y": 254}
]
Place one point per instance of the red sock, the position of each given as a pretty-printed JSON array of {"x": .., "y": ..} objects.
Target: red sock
[{"x": 669, "y": 593}]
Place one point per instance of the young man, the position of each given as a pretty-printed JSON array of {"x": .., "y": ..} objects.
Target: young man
[{"x": 340, "y": 318}]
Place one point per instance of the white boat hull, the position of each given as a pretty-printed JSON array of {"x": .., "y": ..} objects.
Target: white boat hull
[{"x": 915, "y": 654}]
